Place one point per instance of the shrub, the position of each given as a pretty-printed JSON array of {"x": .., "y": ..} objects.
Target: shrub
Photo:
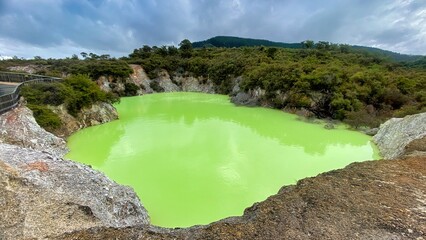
[
  {"x": 85, "y": 92},
  {"x": 45, "y": 93},
  {"x": 45, "y": 117},
  {"x": 130, "y": 89},
  {"x": 156, "y": 86}
]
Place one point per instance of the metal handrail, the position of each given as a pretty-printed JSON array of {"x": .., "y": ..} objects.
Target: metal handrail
[{"x": 11, "y": 100}]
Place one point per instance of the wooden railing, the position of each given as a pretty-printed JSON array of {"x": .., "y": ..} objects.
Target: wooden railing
[{"x": 11, "y": 99}]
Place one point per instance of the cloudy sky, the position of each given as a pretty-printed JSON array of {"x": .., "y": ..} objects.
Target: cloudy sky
[{"x": 60, "y": 28}]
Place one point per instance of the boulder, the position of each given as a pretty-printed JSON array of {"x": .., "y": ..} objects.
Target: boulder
[
  {"x": 245, "y": 99},
  {"x": 395, "y": 134},
  {"x": 43, "y": 195},
  {"x": 19, "y": 127},
  {"x": 91, "y": 116}
]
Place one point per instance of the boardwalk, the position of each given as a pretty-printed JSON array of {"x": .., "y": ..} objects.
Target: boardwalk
[
  {"x": 7, "y": 87},
  {"x": 10, "y": 84}
]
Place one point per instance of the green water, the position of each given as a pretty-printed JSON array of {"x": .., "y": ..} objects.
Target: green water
[{"x": 196, "y": 158}]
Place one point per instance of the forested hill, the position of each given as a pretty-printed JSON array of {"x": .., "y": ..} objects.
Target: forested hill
[{"x": 229, "y": 42}]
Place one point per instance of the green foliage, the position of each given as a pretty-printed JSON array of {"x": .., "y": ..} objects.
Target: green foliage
[
  {"x": 76, "y": 92},
  {"x": 234, "y": 42},
  {"x": 84, "y": 93},
  {"x": 45, "y": 93},
  {"x": 185, "y": 48},
  {"x": 362, "y": 118},
  {"x": 419, "y": 63},
  {"x": 45, "y": 117},
  {"x": 96, "y": 68},
  {"x": 332, "y": 81},
  {"x": 222, "y": 73},
  {"x": 308, "y": 44},
  {"x": 130, "y": 89},
  {"x": 229, "y": 42},
  {"x": 156, "y": 86},
  {"x": 271, "y": 52}
]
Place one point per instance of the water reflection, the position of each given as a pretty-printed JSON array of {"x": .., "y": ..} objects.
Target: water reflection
[{"x": 188, "y": 111}]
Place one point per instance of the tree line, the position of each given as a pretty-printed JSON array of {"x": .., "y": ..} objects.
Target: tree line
[{"x": 329, "y": 80}]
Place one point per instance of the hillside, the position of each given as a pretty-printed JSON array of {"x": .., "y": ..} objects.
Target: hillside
[
  {"x": 229, "y": 42},
  {"x": 325, "y": 81}
]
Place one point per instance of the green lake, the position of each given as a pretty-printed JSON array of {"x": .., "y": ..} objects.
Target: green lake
[{"x": 195, "y": 158}]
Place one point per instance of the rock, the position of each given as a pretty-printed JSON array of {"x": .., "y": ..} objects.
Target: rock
[
  {"x": 31, "y": 69},
  {"x": 329, "y": 126},
  {"x": 368, "y": 200},
  {"x": 98, "y": 113},
  {"x": 42, "y": 195},
  {"x": 139, "y": 75},
  {"x": 166, "y": 83},
  {"x": 236, "y": 88},
  {"x": 94, "y": 115},
  {"x": 371, "y": 131},
  {"x": 104, "y": 84},
  {"x": 19, "y": 127},
  {"x": 140, "y": 78},
  {"x": 395, "y": 134},
  {"x": 416, "y": 147},
  {"x": 110, "y": 84},
  {"x": 193, "y": 84},
  {"x": 245, "y": 99},
  {"x": 163, "y": 83}
]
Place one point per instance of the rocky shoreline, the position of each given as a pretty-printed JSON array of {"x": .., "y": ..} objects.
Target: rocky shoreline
[{"x": 43, "y": 196}]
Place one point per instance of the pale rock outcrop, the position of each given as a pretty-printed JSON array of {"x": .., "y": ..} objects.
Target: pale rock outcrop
[
  {"x": 193, "y": 84},
  {"x": 94, "y": 115},
  {"x": 31, "y": 69},
  {"x": 104, "y": 84},
  {"x": 19, "y": 127},
  {"x": 110, "y": 84},
  {"x": 141, "y": 79},
  {"x": 42, "y": 195},
  {"x": 166, "y": 83},
  {"x": 395, "y": 134},
  {"x": 163, "y": 83},
  {"x": 250, "y": 98}
]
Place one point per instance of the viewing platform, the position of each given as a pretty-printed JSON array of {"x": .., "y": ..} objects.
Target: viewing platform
[{"x": 11, "y": 83}]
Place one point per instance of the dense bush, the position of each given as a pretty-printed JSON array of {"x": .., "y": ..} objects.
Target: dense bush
[
  {"x": 53, "y": 93},
  {"x": 84, "y": 93},
  {"x": 332, "y": 81},
  {"x": 76, "y": 92},
  {"x": 45, "y": 117},
  {"x": 130, "y": 89}
]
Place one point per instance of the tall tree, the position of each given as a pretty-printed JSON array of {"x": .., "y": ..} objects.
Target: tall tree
[
  {"x": 84, "y": 55},
  {"x": 308, "y": 44},
  {"x": 185, "y": 48}
]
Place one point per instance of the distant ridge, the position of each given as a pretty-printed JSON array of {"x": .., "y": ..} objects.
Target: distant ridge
[{"x": 230, "y": 42}]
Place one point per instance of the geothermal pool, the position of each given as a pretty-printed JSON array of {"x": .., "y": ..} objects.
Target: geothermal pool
[{"x": 195, "y": 158}]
